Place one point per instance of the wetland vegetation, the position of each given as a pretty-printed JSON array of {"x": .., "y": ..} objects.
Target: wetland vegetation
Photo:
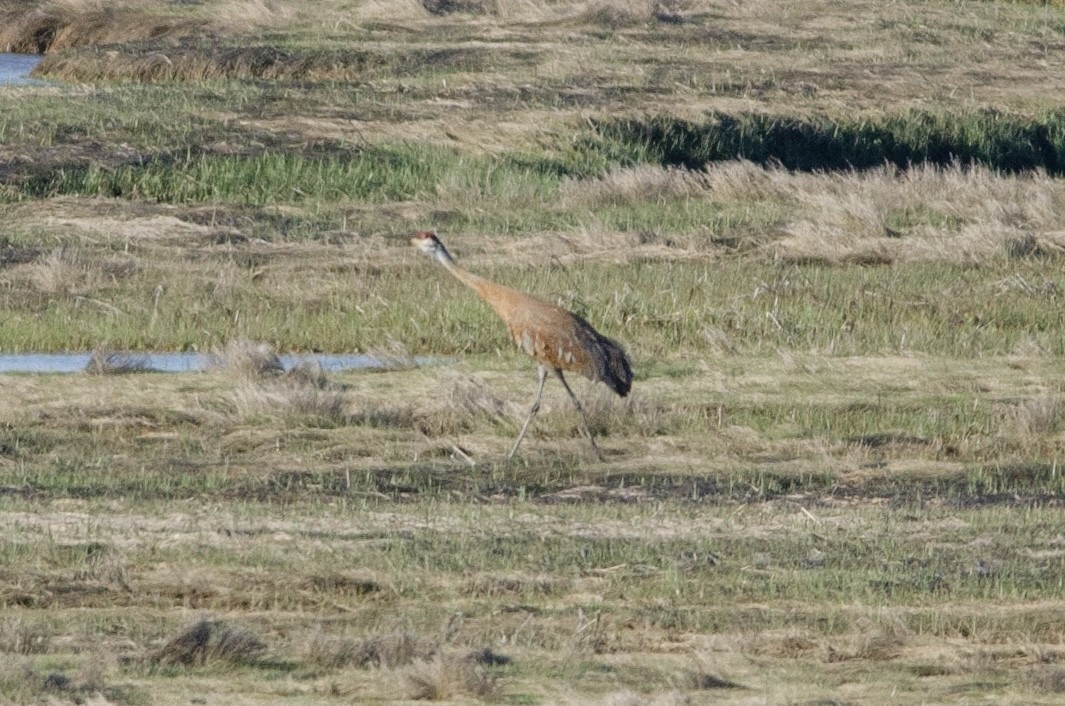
[{"x": 829, "y": 234}]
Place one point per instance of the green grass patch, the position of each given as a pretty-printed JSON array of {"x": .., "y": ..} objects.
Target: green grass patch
[
  {"x": 663, "y": 309},
  {"x": 374, "y": 174}
]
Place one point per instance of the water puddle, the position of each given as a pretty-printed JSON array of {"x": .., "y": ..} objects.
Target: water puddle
[
  {"x": 15, "y": 69},
  {"x": 179, "y": 362}
]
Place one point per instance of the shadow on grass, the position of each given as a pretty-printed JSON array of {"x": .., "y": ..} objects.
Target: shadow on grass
[
  {"x": 1021, "y": 484},
  {"x": 998, "y": 140}
]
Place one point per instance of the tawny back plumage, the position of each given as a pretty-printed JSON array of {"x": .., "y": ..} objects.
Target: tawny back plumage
[{"x": 557, "y": 339}]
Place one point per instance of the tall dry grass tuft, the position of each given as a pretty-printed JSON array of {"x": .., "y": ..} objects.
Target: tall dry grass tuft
[
  {"x": 248, "y": 360},
  {"x": 290, "y": 397},
  {"x": 445, "y": 678},
  {"x": 472, "y": 397},
  {"x": 1030, "y": 419},
  {"x": 209, "y": 642},
  {"x": 104, "y": 361},
  {"x": 393, "y": 356},
  {"x": 268, "y": 389},
  {"x": 643, "y": 183},
  {"x": 877, "y": 641},
  {"x": 380, "y": 652},
  {"x": 62, "y": 271}
]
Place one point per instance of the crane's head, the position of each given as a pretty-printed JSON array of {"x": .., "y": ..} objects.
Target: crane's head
[{"x": 429, "y": 243}]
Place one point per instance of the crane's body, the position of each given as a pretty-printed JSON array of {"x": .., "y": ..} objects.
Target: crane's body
[{"x": 557, "y": 339}]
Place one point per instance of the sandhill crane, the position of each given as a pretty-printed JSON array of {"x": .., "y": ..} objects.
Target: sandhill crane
[{"x": 557, "y": 339}]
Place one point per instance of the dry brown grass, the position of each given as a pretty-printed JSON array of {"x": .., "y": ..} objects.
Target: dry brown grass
[
  {"x": 209, "y": 642},
  {"x": 249, "y": 360},
  {"x": 650, "y": 183},
  {"x": 926, "y": 213},
  {"x": 448, "y": 677},
  {"x": 266, "y": 388},
  {"x": 290, "y": 396},
  {"x": 54, "y": 25},
  {"x": 22, "y": 637},
  {"x": 104, "y": 361},
  {"x": 1030, "y": 420}
]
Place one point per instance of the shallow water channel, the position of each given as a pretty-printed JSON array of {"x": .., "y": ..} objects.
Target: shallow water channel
[
  {"x": 15, "y": 69},
  {"x": 173, "y": 362}
]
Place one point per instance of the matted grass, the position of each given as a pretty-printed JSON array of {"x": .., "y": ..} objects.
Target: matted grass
[{"x": 740, "y": 543}]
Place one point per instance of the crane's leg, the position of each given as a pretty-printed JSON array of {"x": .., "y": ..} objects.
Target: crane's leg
[
  {"x": 580, "y": 410},
  {"x": 532, "y": 412}
]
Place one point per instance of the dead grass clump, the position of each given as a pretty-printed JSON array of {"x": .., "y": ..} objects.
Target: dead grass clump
[
  {"x": 66, "y": 24},
  {"x": 289, "y": 397},
  {"x": 743, "y": 180},
  {"x": 249, "y": 360},
  {"x": 108, "y": 362},
  {"x": 444, "y": 678},
  {"x": 63, "y": 271},
  {"x": 376, "y": 415},
  {"x": 392, "y": 651},
  {"x": 22, "y": 638},
  {"x": 210, "y": 642},
  {"x": 879, "y": 642},
  {"x": 325, "y": 652},
  {"x": 789, "y": 644},
  {"x": 1028, "y": 246},
  {"x": 704, "y": 681},
  {"x": 474, "y": 397},
  {"x": 342, "y": 584},
  {"x": 62, "y": 25},
  {"x": 1047, "y": 680},
  {"x": 1031, "y": 418},
  {"x": 267, "y": 388},
  {"x": 605, "y": 414},
  {"x": 25, "y": 684},
  {"x": 470, "y": 7},
  {"x": 469, "y": 402},
  {"x": 617, "y": 15},
  {"x": 393, "y": 356},
  {"x": 29, "y": 32},
  {"x": 488, "y": 585},
  {"x": 643, "y": 183},
  {"x": 308, "y": 373}
]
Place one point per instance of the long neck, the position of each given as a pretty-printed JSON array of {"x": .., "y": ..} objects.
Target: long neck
[{"x": 478, "y": 284}]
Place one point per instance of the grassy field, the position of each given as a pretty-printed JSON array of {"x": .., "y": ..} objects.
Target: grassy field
[{"x": 829, "y": 235}]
